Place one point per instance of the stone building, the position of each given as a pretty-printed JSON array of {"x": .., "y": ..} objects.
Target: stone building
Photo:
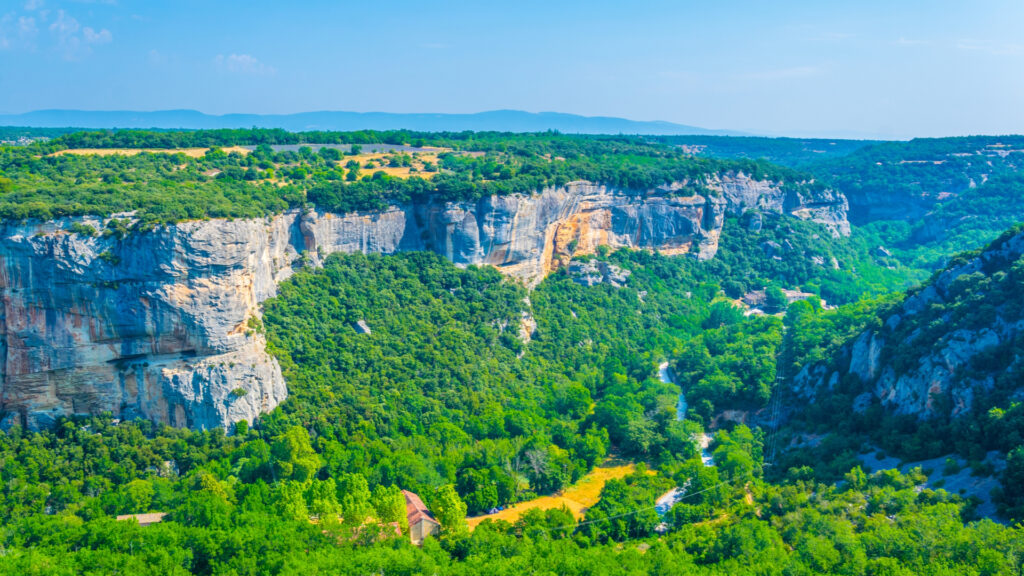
[{"x": 421, "y": 521}]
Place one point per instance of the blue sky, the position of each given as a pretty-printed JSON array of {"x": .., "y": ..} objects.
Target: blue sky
[{"x": 869, "y": 67}]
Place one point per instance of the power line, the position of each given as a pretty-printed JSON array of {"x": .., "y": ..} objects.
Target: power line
[
  {"x": 774, "y": 407},
  {"x": 772, "y": 441},
  {"x": 638, "y": 510}
]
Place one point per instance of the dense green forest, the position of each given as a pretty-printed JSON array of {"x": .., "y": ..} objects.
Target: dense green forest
[
  {"x": 791, "y": 253},
  {"x": 975, "y": 301},
  {"x": 443, "y": 397},
  {"x": 934, "y": 197},
  {"x": 873, "y": 524},
  {"x": 450, "y": 394},
  {"x": 37, "y": 181},
  {"x": 792, "y": 152},
  {"x": 965, "y": 222},
  {"x": 923, "y": 166},
  {"x": 443, "y": 389}
]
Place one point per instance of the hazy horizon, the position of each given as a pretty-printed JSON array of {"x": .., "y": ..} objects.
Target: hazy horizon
[{"x": 796, "y": 69}]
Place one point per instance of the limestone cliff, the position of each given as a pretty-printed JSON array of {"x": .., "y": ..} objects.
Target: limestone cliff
[
  {"x": 525, "y": 236},
  {"x": 151, "y": 325},
  {"x": 948, "y": 342},
  {"x": 826, "y": 206},
  {"x": 157, "y": 324}
]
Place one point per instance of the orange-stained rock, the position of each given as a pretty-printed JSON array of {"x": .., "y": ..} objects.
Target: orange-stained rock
[{"x": 156, "y": 324}]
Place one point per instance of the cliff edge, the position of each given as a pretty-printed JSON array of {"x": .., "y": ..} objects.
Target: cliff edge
[{"x": 160, "y": 325}]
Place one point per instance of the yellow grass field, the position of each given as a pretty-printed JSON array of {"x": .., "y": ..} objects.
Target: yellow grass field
[
  {"x": 191, "y": 152},
  {"x": 396, "y": 171},
  {"x": 577, "y": 498},
  {"x": 427, "y": 155}
]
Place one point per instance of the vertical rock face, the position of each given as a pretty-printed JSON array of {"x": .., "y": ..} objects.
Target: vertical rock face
[
  {"x": 524, "y": 236},
  {"x": 826, "y": 206},
  {"x": 528, "y": 236},
  {"x": 157, "y": 324},
  {"x": 153, "y": 325},
  {"x": 944, "y": 345}
]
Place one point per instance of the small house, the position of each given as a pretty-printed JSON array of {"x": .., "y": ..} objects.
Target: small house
[{"x": 421, "y": 521}]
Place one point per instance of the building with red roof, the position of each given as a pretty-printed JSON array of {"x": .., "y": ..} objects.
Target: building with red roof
[{"x": 421, "y": 521}]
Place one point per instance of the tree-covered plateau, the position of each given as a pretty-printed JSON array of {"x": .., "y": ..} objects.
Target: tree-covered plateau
[{"x": 50, "y": 179}]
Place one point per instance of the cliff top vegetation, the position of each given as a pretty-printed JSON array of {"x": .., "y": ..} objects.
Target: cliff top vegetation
[{"x": 177, "y": 176}]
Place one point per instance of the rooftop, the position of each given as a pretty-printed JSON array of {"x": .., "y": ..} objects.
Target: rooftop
[{"x": 416, "y": 510}]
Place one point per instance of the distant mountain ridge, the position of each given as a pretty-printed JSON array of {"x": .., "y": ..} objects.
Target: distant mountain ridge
[{"x": 496, "y": 120}]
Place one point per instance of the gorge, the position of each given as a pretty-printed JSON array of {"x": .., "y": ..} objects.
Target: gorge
[{"x": 164, "y": 324}]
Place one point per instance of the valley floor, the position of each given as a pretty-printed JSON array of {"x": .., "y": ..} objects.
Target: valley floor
[{"x": 577, "y": 498}]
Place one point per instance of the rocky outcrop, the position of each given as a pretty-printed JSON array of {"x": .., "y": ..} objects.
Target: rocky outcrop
[
  {"x": 594, "y": 272},
  {"x": 526, "y": 236},
  {"x": 160, "y": 324},
  {"x": 152, "y": 325},
  {"x": 925, "y": 350},
  {"x": 821, "y": 205}
]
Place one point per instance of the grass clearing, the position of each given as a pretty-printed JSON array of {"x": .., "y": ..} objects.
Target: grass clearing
[
  {"x": 378, "y": 158},
  {"x": 577, "y": 498}
]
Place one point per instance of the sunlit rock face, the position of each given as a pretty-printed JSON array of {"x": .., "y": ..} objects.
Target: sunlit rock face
[
  {"x": 158, "y": 324},
  {"x": 527, "y": 236},
  {"x": 152, "y": 325},
  {"x": 524, "y": 236}
]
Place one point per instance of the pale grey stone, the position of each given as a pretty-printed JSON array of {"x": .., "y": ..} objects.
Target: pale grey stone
[{"x": 156, "y": 325}]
